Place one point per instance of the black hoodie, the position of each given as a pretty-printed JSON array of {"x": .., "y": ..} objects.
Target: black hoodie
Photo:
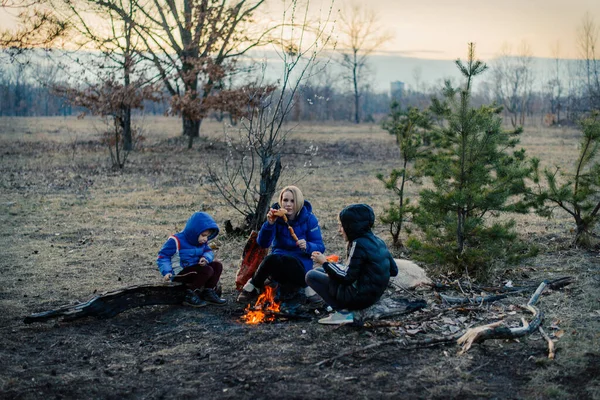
[{"x": 362, "y": 281}]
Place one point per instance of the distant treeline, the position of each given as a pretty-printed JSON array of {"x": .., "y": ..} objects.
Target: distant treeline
[{"x": 26, "y": 90}]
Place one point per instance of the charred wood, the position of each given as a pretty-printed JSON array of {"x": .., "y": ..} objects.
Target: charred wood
[{"x": 109, "y": 304}]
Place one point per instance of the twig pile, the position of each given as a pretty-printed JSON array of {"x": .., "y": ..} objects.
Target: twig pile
[{"x": 456, "y": 330}]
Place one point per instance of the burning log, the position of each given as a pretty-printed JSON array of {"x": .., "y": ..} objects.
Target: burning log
[
  {"x": 267, "y": 309},
  {"x": 109, "y": 304},
  {"x": 273, "y": 315}
]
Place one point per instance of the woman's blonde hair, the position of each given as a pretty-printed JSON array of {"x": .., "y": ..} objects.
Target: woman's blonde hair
[{"x": 298, "y": 197}]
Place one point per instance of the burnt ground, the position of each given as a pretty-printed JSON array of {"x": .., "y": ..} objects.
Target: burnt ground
[{"x": 71, "y": 227}]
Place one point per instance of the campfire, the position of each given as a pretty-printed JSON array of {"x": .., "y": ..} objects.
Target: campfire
[{"x": 264, "y": 310}]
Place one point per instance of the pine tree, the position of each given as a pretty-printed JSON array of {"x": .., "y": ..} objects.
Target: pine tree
[
  {"x": 476, "y": 175},
  {"x": 410, "y": 129},
  {"x": 576, "y": 192}
]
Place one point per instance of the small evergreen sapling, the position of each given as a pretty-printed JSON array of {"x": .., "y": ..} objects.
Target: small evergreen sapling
[
  {"x": 410, "y": 128},
  {"x": 476, "y": 175},
  {"x": 576, "y": 192}
]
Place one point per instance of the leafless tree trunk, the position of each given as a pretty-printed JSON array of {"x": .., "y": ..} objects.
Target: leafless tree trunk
[
  {"x": 192, "y": 43},
  {"x": 249, "y": 176},
  {"x": 556, "y": 84},
  {"x": 587, "y": 38},
  {"x": 514, "y": 81},
  {"x": 361, "y": 35}
]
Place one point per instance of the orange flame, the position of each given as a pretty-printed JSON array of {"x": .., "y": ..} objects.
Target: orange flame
[{"x": 265, "y": 302}]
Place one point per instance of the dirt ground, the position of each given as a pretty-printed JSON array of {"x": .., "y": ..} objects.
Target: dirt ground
[{"x": 70, "y": 227}]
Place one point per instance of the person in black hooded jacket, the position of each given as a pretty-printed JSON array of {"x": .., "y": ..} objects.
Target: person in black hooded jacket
[{"x": 362, "y": 280}]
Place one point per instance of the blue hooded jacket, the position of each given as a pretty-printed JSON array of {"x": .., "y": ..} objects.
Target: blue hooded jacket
[
  {"x": 184, "y": 245},
  {"x": 306, "y": 226}
]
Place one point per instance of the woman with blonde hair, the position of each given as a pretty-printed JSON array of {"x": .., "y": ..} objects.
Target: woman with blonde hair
[{"x": 290, "y": 257}]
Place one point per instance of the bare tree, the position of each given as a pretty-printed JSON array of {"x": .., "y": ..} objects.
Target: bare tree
[
  {"x": 40, "y": 27},
  {"x": 587, "y": 41},
  {"x": 513, "y": 78},
  {"x": 193, "y": 45},
  {"x": 114, "y": 102},
  {"x": 556, "y": 84},
  {"x": 249, "y": 176},
  {"x": 360, "y": 35},
  {"x": 86, "y": 25}
]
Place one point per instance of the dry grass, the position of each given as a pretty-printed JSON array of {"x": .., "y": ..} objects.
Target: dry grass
[{"x": 70, "y": 227}]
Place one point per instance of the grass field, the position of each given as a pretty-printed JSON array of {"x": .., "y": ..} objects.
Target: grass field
[{"x": 71, "y": 227}]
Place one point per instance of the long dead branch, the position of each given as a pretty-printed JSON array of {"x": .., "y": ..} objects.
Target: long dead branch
[
  {"x": 109, "y": 304},
  {"x": 554, "y": 284}
]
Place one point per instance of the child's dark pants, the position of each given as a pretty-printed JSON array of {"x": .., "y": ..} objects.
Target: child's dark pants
[
  {"x": 319, "y": 281},
  {"x": 205, "y": 276}
]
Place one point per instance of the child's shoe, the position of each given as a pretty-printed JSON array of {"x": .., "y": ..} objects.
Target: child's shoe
[
  {"x": 192, "y": 299},
  {"x": 313, "y": 300},
  {"x": 338, "y": 318},
  {"x": 211, "y": 296}
]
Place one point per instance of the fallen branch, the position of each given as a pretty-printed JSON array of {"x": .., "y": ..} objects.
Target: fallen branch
[
  {"x": 109, "y": 304},
  {"x": 478, "y": 299},
  {"x": 550, "y": 343},
  {"x": 496, "y": 331},
  {"x": 474, "y": 335},
  {"x": 554, "y": 284}
]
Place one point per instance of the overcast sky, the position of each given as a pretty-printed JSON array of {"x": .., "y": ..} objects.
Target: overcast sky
[{"x": 441, "y": 29}]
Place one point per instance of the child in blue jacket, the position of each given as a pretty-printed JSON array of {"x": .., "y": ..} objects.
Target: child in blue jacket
[
  {"x": 194, "y": 260},
  {"x": 290, "y": 258}
]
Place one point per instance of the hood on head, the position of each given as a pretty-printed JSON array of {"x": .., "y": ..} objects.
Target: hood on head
[
  {"x": 357, "y": 219},
  {"x": 198, "y": 223}
]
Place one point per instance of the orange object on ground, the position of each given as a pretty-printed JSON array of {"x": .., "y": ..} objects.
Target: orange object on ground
[{"x": 252, "y": 256}]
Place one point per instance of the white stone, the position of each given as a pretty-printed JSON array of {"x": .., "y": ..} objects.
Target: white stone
[{"x": 410, "y": 275}]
